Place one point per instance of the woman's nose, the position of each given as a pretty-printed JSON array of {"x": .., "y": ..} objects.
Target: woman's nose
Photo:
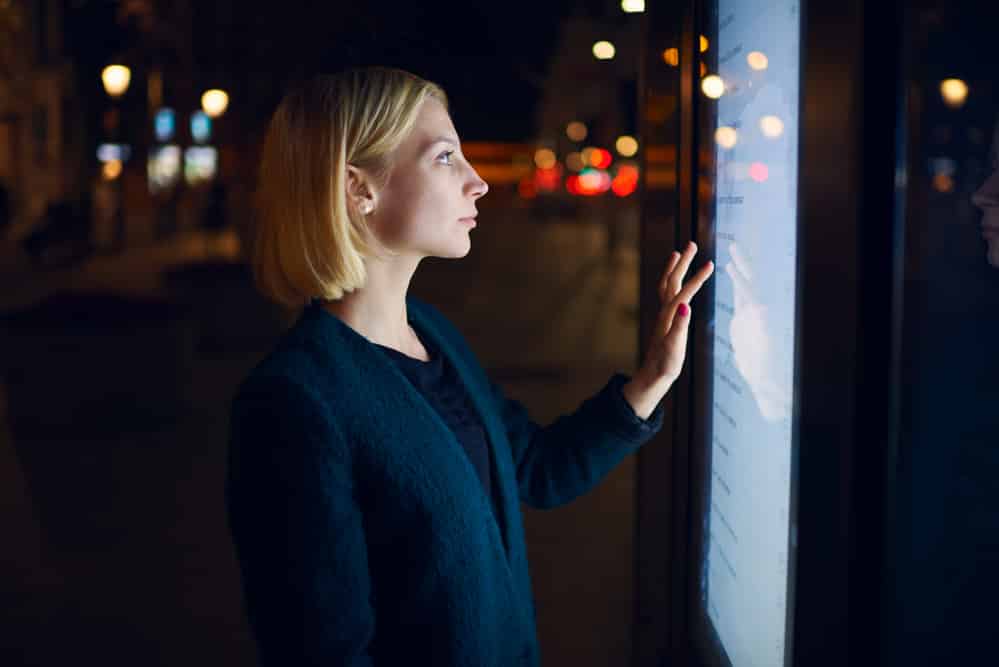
[{"x": 477, "y": 187}]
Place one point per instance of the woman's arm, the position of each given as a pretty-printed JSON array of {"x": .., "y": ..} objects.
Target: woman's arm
[
  {"x": 557, "y": 463},
  {"x": 297, "y": 530}
]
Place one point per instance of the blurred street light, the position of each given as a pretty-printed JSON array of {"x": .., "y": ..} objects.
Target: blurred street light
[
  {"x": 771, "y": 126},
  {"x": 633, "y": 6},
  {"x": 757, "y": 60},
  {"x": 713, "y": 86},
  {"x": 214, "y": 102},
  {"x": 726, "y": 137},
  {"x": 544, "y": 158},
  {"x": 596, "y": 157},
  {"x": 111, "y": 170},
  {"x": 626, "y": 145},
  {"x": 954, "y": 92},
  {"x": 603, "y": 50},
  {"x": 576, "y": 130},
  {"x": 116, "y": 79}
]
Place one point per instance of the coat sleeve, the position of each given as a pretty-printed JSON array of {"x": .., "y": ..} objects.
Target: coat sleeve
[
  {"x": 297, "y": 530},
  {"x": 559, "y": 462}
]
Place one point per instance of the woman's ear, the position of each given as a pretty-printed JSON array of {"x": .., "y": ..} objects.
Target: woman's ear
[{"x": 360, "y": 193}]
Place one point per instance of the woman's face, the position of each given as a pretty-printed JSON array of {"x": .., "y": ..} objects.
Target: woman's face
[
  {"x": 987, "y": 199},
  {"x": 427, "y": 207}
]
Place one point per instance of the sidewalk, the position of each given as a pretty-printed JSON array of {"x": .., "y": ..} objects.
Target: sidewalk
[{"x": 134, "y": 270}]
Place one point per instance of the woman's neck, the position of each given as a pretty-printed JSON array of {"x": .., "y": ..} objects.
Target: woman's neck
[
  {"x": 378, "y": 323},
  {"x": 377, "y": 311}
]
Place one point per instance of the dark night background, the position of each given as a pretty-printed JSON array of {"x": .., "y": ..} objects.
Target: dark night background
[
  {"x": 122, "y": 337},
  {"x": 127, "y": 315}
]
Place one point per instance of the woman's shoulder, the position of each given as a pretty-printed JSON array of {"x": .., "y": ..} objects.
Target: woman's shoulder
[
  {"x": 303, "y": 358},
  {"x": 286, "y": 380}
]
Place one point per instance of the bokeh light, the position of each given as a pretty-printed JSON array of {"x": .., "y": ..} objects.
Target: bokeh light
[
  {"x": 201, "y": 127},
  {"x": 633, "y": 6},
  {"x": 111, "y": 170},
  {"x": 603, "y": 50},
  {"x": 597, "y": 157},
  {"x": 713, "y": 86},
  {"x": 943, "y": 183},
  {"x": 109, "y": 152},
  {"x": 548, "y": 180},
  {"x": 591, "y": 182},
  {"x": 757, "y": 60},
  {"x": 544, "y": 158},
  {"x": 215, "y": 102},
  {"x": 954, "y": 92},
  {"x": 771, "y": 126},
  {"x": 759, "y": 172},
  {"x": 726, "y": 137},
  {"x": 704, "y": 44},
  {"x": 626, "y": 145},
  {"x": 116, "y": 79},
  {"x": 671, "y": 57},
  {"x": 576, "y": 130},
  {"x": 164, "y": 124},
  {"x": 626, "y": 180}
]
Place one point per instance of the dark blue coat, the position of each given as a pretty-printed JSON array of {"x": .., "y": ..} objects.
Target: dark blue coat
[{"x": 363, "y": 534}]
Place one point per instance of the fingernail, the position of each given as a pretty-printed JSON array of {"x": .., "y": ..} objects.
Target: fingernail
[{"x": 684, "y": 310}]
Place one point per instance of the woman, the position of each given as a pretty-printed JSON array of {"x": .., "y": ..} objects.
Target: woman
[{"x": 375, "y": 471}]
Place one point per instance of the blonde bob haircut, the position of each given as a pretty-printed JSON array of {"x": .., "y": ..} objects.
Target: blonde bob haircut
[{"x": 308, "y": 240}]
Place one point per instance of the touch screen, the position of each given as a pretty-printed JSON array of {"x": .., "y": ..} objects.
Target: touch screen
[{"x": 747, "y": 517}]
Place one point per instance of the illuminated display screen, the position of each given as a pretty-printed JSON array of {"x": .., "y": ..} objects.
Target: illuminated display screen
[{"x": 747, "y": 530}]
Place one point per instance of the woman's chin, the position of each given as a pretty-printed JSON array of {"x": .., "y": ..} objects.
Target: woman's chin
[{"x": 455, "y": 251}]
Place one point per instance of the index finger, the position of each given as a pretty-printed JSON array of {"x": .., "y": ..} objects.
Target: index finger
[{"x": 694, "y": 284}]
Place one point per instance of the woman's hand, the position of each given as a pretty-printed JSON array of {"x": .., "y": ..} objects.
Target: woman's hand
[{"x": 668, "y": 344}]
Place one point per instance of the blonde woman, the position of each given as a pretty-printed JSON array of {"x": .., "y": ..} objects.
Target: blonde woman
[{"x": 375, "y": 471}]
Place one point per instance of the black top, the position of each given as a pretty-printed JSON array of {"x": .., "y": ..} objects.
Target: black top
[{"x": 442, "y": 388}]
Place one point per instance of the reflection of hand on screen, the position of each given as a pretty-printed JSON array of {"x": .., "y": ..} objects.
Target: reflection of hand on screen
[{"x": 753, "y": 344}]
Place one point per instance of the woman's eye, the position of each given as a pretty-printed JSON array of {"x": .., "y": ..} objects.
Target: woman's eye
[{"x": 446, "y": 157}]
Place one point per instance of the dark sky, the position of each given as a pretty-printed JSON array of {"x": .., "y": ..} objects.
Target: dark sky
[{"x": 490, "y": 57}]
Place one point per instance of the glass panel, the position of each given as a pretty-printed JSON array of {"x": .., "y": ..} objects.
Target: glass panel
[
  {"x": 748, "y": 200},
  {"x": 660, "y": 113},
  {"x": 948, "y": 501}
]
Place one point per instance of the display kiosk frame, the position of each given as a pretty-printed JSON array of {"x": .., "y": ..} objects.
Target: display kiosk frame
[{"x": 850, "y": 266}]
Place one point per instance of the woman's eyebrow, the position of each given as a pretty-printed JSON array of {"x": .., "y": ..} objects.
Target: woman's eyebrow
[{"x": 442, "y": 139}]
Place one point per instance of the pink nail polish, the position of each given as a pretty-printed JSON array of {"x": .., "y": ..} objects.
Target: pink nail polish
[{"x": 684, "y": 310}]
